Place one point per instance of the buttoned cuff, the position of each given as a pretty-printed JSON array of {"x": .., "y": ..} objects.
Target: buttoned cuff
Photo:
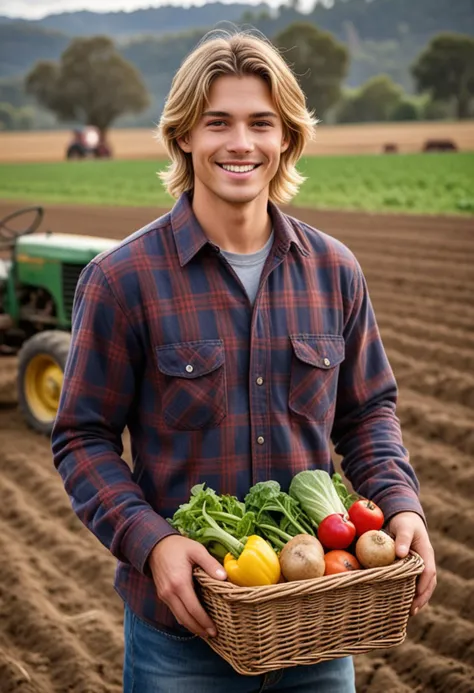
[
  {"x": 142, "y": 536},
  {"x": 399, "y": 501}
]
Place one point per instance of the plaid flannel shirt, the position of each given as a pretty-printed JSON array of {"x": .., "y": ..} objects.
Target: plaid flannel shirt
[{"x": 166, "y": 342}]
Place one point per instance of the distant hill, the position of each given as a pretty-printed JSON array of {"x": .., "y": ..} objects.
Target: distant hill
[
  {"x": 383, "y": 36},
  {"x": 157, "y": 20},
  {"x": 22, "y": 44}
]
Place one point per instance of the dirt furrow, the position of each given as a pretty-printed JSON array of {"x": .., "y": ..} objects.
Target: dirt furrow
[
  {"x": 455, "y": 594},
  {"x": 71, "y": 651},
  {"x": 421, "y": 250},
  {"x": 434, "y": 461},
  {"x": 452, "y": 554},
  {"x": 451, "y": 517},
  {"x": 437, "y": 353},
  {"x": 373, "y": 676},
  {"x": 452, "y": 315},
  {"x": 425, "y": 330},
  {"x": 445, "y": 384},
  {"x": 68, "y": 544},
  {"x": 450, "y": 273},
  {"x": 441, "y": 290},
  {"x": 427, "y": 671},
  {"x": 435, "y": 424},
  {"x": 456, "y": 642}
]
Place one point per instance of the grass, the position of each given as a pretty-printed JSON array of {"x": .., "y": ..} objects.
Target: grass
[{"x": 418, "y": 183}]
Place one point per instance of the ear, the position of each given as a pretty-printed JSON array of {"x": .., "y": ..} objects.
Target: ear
[
  {"x": 185, "y": 143},
  {"x": 285, "y": 143}
]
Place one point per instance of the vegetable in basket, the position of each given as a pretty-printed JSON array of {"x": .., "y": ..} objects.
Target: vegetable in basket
[
  {"x": 366, "y": 515},
  {"x": 248, "y": 559},
  {"x": 319, "y": 498},
  {"x": 257, "y": 564},
  {"x": 218, "y": 522},
  {"x": 340, "y": 562},
  {"x": 278, "y": 516},
  {"x": 336, "y": 531},
  {"x": 302, "y": 558},
  {"x": 375, "y": 549},
  {"x": 317, "y": 495}
]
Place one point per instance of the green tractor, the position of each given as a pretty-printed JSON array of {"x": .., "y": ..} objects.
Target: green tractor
[{"x": 38, "y": 277}]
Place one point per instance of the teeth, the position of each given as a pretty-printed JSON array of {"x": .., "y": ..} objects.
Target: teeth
[{"x": 238, "y": 169}]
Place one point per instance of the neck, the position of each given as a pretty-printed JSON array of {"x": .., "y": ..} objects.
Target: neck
[{"x": 238, "y": 228}]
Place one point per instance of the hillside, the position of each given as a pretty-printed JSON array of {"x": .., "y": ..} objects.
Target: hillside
[
  {"x": 156, "y": 20},
  {"x": 383, "y": 36}
]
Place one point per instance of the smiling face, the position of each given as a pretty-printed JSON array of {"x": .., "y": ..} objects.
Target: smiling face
[{"x": 237, "y": 143}]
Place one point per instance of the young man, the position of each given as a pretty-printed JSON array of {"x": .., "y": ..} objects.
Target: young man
[{"x": 234, "y": 342}]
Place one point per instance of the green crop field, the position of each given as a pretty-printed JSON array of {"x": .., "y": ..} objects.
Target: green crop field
[{"x": 418, "y": 183}]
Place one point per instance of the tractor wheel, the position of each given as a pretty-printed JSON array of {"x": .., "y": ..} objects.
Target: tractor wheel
[{"x": 41, "y": 364}]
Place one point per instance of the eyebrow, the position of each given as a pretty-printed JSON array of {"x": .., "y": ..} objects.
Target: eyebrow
[{"x": 223, "y": 114}]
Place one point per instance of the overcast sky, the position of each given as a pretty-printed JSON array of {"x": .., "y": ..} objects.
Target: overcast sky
[{"x": 35, "y": 9}]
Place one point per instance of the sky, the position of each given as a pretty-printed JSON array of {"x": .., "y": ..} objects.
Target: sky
[{"x": 36, "y": 9}]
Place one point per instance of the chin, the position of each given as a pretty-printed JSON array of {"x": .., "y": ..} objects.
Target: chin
[{"x": 239, "y": 196}]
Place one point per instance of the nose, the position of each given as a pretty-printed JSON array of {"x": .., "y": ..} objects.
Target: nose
[{"x": 240, "y": 140}]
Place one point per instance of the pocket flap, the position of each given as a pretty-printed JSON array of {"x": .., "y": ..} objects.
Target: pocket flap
[
  {"x": 190, "y": 359},
  {"x": 322, "y": 351}
]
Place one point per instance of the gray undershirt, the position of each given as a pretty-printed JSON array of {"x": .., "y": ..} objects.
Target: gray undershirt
[{"x": 248, "y": 267}]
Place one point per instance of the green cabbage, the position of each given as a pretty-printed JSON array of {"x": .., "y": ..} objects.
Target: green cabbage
[{"x": 316, "y": 494}]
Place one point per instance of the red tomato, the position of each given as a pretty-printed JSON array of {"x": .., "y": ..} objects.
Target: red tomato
[
  {"x": 336, "y": 531},
  {"x": 340, "y": 562},
  {"x": 366, "y": 516}
]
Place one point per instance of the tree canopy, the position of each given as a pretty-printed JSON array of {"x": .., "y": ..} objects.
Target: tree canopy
[
  {"x": 445, "y": 69},
  {"x": 319, "y": 61},
  {"x": 91, "y": 84},
  {"x": 376, "y": 100}
]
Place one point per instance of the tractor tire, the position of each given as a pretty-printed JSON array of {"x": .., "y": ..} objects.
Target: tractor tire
[{"x": 41, "y": 364}]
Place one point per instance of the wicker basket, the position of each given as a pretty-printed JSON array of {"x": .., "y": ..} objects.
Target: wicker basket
[{"x": 261, "y": 629}]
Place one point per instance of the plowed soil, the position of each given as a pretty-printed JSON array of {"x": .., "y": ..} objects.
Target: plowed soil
[{"x": 60, "y": 619}]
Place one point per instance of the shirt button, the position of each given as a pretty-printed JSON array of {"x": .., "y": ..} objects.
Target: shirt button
[
  {"x": 327, "y": 362},
  {"x": 259, "y": 380},
  {"x": 260, "y": 440},
  {"x": 189, "y": 368}
]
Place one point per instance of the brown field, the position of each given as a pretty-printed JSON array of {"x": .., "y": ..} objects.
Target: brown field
[
  {"x": 60, "y": 619},
  {"x": 340, "y": 139}
]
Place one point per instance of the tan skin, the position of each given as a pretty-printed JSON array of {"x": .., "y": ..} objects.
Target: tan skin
[
  {"x": 232, "y": 211},
  {"x": 410, "y": 532}
]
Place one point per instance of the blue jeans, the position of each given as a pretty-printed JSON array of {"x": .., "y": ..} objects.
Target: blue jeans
[{"x": 159, "y": 662}]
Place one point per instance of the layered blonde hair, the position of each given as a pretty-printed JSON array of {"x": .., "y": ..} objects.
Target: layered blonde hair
[{"x": 235, "y": 54}]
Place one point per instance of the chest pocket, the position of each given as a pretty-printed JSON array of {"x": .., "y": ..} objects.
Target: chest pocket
[
  {"x": 314, "y": 375},
  {"x": 194, "y": 392}
]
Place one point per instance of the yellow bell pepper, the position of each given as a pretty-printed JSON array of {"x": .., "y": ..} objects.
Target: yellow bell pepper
[{"x": 258, "y": 564}]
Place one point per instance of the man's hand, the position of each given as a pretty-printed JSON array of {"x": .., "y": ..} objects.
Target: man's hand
[
  {"x": 171, "y": 563},
  {"x": 410, "y": 532}
]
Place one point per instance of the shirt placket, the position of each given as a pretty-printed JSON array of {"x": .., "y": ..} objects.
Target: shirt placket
[{"x": 260, "y": 345}]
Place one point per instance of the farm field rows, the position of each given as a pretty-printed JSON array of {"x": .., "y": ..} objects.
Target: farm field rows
[{"x": 60, "y": 619}]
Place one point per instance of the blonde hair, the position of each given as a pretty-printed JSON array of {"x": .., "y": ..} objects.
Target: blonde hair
[{"x": 236, "y": 54}]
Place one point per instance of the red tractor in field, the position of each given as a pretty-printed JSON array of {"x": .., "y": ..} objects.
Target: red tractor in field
[{"x": 88, "y": 143}]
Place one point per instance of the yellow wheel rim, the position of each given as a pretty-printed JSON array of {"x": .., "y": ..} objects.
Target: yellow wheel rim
[{"x": 43, "y": 382}]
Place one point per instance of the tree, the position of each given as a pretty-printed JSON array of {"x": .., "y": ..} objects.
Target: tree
[
  {"x": 12, "y": 118},
  {"x": 374, "y": 101},
  {"x": 92, "y": 84},
  {"x": 319, "y": 62},
  {"x": 406, "y": 109},
  {"x": 446, "y": 69}
]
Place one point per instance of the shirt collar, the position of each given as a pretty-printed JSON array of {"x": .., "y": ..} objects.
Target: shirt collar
[{"x": 190, "y": 238}]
